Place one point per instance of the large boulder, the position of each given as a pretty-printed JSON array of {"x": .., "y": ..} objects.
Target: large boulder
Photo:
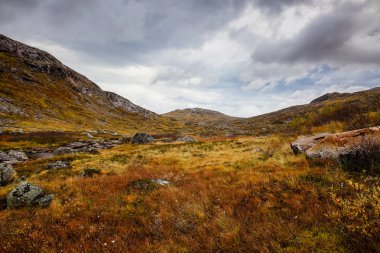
[
  {"x": 352, "y": 145},
  {"x": 18, "y": 156},
  {"x": 28, "y": 195},
  {"x": 142, "y": 138},
  {"x": 7, "y": 174}
]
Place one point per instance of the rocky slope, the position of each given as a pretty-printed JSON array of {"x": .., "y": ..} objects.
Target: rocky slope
[{"x": 39, "y": 92}]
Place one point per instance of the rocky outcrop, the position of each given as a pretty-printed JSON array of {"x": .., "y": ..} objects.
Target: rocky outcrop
[
  {"x": 142, "y": 138},
  {"x": 340, "y": 145},
  {"x": 28, "y": 195},
  {"x": 120, "y": 102},
  {"x": 7, "y": 174}
]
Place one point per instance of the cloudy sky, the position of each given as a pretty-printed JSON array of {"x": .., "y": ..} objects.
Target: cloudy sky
[{"x": 240, "y": 57}]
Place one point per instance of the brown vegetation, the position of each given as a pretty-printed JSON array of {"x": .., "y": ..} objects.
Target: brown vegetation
[{"x": 224, "y": 195}]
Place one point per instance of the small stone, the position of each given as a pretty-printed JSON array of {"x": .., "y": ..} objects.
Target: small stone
[{"x": 63, "y": 150}]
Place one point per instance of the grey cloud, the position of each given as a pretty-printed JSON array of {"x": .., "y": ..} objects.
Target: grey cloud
[
  {"x": 328, "y": 38},
  {"x": 124, "y": 30},
  {"x": 276, "y": 6}
]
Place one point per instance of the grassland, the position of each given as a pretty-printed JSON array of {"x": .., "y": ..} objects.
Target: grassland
[{"x": 224, "y": 195}]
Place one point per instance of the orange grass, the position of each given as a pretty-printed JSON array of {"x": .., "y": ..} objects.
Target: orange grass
[{"x": 223, "y": 196}]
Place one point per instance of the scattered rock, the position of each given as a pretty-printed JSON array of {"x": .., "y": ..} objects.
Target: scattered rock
[
  {"x": 59, "y": 165},
  {"x": 187, "y": 139},
  {"x": 78, "y": 144},
  {"x": 142, "y": 138},
  {"x": 146, "y": 185},
  {"x": 28, "y": 195},
  {"x": 7, "y": 174},
  {"x": 4, "y": 157},
  {"x": 18, "y": 156},
  {"x": 160, "y": 181},
  {"x": 90, "y": 172},
  {"x": 63, "y": 150}
]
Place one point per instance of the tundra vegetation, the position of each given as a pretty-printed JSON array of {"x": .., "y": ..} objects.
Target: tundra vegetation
[{"x": 214, "y": 195}]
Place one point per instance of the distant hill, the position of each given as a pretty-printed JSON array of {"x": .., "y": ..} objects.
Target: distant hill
[
  {"x": 198, "y": 115},
  {"x": 331, "y": 112},
  {"x": 39, "y": 92}
]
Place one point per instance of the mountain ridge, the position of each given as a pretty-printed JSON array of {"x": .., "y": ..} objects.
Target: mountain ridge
[{"x": 61, "y": 97}]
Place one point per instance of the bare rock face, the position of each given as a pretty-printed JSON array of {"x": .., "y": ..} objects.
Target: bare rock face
[
  {"x": 354, "y": 145},
  {"x": 7, "y": 174},
  {"x": 142, "y": 138},
  {"x": 120, "y": 102},
  {"x": 28, "y": 195}
]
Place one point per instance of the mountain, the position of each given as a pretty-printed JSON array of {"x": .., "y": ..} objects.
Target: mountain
[
  {"x": 203, "y": 121},
  {"x": 331, "y": 112},
  {"x": 39, "y": 92},
  {"x": 198, "y": 115}
]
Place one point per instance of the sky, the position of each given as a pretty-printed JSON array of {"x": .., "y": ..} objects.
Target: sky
[{"x": 239, "y": 57}]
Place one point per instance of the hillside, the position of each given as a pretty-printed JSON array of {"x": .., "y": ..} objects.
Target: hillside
[
  {"x": 328, "y": 113},
  {"x": 38, "y": 92},
  {"x": 331, "y": 112}
]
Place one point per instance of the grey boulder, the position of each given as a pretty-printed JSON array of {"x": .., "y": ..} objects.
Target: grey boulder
[
  {"x": 142, "y": 138},
  {"x": 18, "y": 156},
  {"x": 7, "y": 174},
  {"x": 28, "y": 195}
]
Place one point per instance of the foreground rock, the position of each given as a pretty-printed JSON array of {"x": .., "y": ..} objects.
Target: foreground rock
[
  {"x": 142, "y": 138},
  {"x": 28, "y": 195},
  {"x": 346, "y": 147},
  {"x": 7, "y": 174},
  {"x": 187, "y": 139}
]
